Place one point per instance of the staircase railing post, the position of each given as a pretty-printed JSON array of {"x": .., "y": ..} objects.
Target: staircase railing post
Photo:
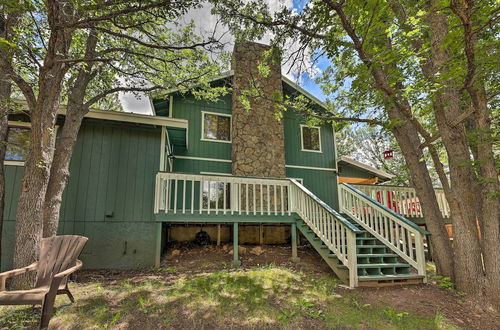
[
  {"x": 352, "y": 259},
  {"x": 420, "y": 254}
]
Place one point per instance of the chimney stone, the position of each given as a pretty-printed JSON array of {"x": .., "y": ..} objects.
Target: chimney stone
[{"x": 258, "y": 146}]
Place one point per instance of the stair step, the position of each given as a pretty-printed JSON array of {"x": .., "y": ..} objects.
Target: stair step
[
  {"x": 368, "y": 255},
  {"x": 371, "y": 246},
  {"x": 389, "y": 277},
  {"x": 399, "y": 265},
  {"x": 365, "y": 238}
]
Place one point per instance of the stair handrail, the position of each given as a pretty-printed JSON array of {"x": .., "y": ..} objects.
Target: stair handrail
[
  {"x": 335, "y": 231},
  {"x": 397, "y": 215},
  {"x": 392, "y": 229}
]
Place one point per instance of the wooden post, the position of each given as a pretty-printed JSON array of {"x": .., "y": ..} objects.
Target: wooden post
[
  {"x": 218, "y": 235},
  {"x": 236, "y": 260},
  {"x": 352, "y": 259},
  {"x": 159, "y": 228},
  {"x": 261, "y": 234},
  {"x": 293, "y": 232}
]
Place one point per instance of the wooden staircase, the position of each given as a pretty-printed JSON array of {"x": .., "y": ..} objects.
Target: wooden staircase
[
  {"x": 376, "y": 265},
  {"x": 383, "y": 249}
]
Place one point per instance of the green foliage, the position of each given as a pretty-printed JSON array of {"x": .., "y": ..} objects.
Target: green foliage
[
  {"x": 395, "y": 42},
  {"x": 444, "y": 282},
  {"x": 142, "y": 50}
]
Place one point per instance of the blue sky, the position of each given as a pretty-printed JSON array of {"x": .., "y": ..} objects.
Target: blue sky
[{"x": 307, "y": 83}]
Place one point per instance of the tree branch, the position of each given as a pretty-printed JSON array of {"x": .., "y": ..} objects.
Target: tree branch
[
  {"x": 100, "y": 96},
  {"x": 90, "y": 22},
  {"x": 23, "y": 85}
]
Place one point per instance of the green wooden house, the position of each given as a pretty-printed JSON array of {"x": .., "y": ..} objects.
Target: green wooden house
[{"x": 138, "y": 181}]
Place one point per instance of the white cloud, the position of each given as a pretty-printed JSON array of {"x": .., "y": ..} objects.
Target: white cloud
[{"x": 205, "y": 24}]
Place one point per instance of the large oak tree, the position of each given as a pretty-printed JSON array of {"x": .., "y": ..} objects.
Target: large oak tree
[{"x": 429, "y": 69}]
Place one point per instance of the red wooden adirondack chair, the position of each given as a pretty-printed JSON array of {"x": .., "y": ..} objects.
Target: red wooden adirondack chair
[{"x": 58, "y": 259}]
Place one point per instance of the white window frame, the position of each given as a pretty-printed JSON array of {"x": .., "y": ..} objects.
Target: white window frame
[
  {"x": 302, "y": 138},
  {"x": 217, "y": 114},
  {"x": 16, "y": 124}
]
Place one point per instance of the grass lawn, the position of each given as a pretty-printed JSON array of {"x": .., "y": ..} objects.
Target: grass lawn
[{"x": 272, "y": 296}]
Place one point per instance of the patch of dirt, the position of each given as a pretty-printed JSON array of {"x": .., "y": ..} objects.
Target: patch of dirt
[
  {"x": 426, "y": 300},
  {"x": 188, "y": 259}
]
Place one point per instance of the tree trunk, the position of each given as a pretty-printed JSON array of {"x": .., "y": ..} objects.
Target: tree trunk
[
  {"x": 408, "y": 140},
  {"x": 482, "y": 146},
  {"x": 407, "y": 136},
  {"x": 469, "y": 272},
  {"x": 65, "y": 143},
  {"x": 59, "y": 173},
  {"x": 29, "y": 218},
  {"x": 490, "y": 206},
  {"x": 5, "y": 90}
]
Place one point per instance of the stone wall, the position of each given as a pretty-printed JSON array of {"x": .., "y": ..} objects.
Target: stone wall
[{"x": 258, "y": 147}]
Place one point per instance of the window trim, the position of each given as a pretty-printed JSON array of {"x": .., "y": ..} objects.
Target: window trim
[
  {"x": 217, "y": 114},
  {"x": 16, "y": 124},
  {"x": 302, "y": 139}
]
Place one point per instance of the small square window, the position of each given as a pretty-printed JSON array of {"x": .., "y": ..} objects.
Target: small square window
[
  {"x": 18, "y": 141},
  {"x": 216, "y": 127},
  {"x": 311, "y": 138}
]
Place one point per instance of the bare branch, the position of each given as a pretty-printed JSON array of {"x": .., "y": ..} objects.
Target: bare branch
[{"x": 155, "y": 46}]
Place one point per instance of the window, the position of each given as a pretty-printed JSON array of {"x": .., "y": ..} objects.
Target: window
[
  {"x": 311, "y": 138},
  {"x": 216, "y": 127},
  {"x": 18, "y": 140}
]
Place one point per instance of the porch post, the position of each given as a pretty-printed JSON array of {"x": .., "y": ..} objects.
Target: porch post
[
  {"x": 236, "y": 260},
  {"x": 293, "y": 232}
]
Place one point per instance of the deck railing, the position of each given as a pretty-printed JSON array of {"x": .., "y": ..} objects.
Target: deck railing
[
  {"x": 338, "y": 234},
  {"x": 400, "y": 234},
  {"x": 402, "y": 200},
  {"x": 180, "y": 193}
]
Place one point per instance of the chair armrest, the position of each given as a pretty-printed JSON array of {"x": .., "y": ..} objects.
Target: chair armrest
[
  {"x": 5, "y": 275},
  {"x": 68, "y": 271},
  {"x": 56, "y": 281}
]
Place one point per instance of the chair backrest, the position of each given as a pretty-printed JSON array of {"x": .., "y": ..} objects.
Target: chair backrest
[{"x": 57, "y": 254}]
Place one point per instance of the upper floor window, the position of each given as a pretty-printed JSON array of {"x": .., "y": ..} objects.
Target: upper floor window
[
  {"x": 18, "y": 141},
  {"x": 311, "y": 138},
  {"x": 216, "y": 127}
]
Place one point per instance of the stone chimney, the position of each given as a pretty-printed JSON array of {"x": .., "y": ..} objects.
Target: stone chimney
[{"x": 258, "y": 146}]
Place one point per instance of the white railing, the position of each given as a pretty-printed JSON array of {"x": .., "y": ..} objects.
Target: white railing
[
  {"x": 180, "y": 193},
  {"x": 338, "y": 234},
  {"x": 398, "y": 233},
  {"x": 402, "y": 200}
]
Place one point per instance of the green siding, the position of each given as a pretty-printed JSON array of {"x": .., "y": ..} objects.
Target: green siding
[
  {"x": 187, "y": 107},
  {"x": 322, "y": 183},
  {"x": 113, "y": 172},
  {"x": 197, "y": 166},
  {"x": 350, "y": 171},
  {"x": 293, "y": 148}
]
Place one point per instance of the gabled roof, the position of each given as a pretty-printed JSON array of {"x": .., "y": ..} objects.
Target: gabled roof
[
  {"x": 230, "y": 73},
  {"x": 368, "y": 168}
]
